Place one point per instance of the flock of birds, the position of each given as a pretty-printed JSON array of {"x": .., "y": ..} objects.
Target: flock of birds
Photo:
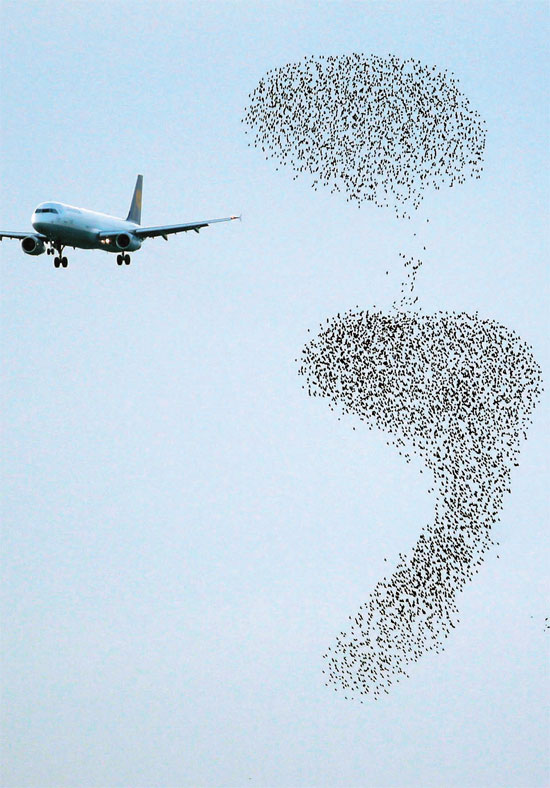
[
  {"x": 379, "y": 129},
  {"x": 456, "y": 389}
]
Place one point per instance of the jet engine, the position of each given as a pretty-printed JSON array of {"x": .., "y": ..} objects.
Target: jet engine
[
  {"x": 33, "y": 245},
  {"x": 127, "y": 242}
]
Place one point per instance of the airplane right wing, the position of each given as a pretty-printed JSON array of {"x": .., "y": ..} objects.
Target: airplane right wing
[{"x": 168, "y": 229}]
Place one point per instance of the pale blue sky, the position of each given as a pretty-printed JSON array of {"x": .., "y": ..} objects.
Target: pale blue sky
[{"x": 184, "y": 530}]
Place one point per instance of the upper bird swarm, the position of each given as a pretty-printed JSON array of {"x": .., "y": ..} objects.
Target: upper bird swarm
[{"x": 378, "y": 129}]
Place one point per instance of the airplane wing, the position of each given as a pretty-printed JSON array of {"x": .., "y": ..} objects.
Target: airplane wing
[
  {"x": 168, "y": 229},
  {"x": 5, "y": 234}
]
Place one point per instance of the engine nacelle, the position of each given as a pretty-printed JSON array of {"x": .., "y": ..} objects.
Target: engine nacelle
[
  {"x": 33, "y": 245},
  {"x": 127, "y": 242}
]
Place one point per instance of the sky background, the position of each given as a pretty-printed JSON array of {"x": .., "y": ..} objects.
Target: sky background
[{"x": 185, "y": 531}]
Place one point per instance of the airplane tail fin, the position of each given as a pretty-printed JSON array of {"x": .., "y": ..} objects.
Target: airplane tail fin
[{"x": 134, "y": 214}]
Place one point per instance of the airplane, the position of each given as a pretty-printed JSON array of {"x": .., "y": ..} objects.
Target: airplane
[{"x": 58, "y": 225}]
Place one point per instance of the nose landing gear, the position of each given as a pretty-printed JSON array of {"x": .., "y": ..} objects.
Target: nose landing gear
[{"x": 60, "y": 260}]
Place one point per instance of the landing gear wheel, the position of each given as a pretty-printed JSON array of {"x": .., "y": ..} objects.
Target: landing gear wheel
[
  {"x": 127, "y": 259},
  {"x": 64, "y": 262},
  {"x": 56, "y": 262},
  {"x": 119, "y": 259}
]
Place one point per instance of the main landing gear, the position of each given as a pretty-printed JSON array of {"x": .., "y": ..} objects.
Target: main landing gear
[
  {"x": 123, "y": 258},
  {"x": 59, "y": 260}
]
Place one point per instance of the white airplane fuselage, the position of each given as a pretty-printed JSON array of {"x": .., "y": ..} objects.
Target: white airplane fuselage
[{"x": 80, "y": 228}]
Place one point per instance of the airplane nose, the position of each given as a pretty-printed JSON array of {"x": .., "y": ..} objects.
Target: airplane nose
[{"x": 39, "y": 224}]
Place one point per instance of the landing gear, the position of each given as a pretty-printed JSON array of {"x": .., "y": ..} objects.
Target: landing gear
[
  {"x": 60, "y": 260},
  {"x": 123, "y": 258}
]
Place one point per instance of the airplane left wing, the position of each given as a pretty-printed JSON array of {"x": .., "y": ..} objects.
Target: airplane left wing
[
  {"x": 5, "y": 234},
  {"x": 167, "y": 229}
]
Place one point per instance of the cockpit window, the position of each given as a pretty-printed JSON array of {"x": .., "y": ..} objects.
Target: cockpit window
[{"x": 46, "y": 210}]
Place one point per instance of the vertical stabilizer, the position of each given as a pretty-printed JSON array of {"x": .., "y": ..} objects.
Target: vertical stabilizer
[{"x": 134, "y": 214}]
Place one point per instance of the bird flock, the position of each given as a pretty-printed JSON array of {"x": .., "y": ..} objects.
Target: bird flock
[
  {"x": 453, "y": 388},
  {"x": 378, "y": 129},
  {"x": 458, "y": 391}
]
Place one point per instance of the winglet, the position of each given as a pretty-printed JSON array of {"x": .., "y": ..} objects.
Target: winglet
[
  {"x": 134, "y": 215},
  {"x": 240, "y": 218}
]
